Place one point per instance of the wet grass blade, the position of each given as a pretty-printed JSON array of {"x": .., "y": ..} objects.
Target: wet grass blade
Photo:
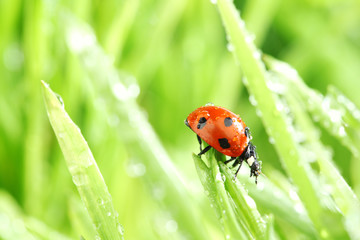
[
  {"x": 213, "y": 183},
  {"x": 83, "y": 168}
]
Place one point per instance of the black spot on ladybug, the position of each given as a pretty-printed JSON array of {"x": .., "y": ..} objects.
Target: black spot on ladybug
[
  {"x": 224, "y": 143},
  {"x": 228, "y": 122},
  {"x": 201, "y": 123}
]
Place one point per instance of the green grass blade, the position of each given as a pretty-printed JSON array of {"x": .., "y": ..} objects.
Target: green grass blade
[
  {"x": 213, "y": 183},
  {"x": 341, "y": 192},
  {"x": 83, "y": 168},
  {"x": 244, "y": 204},
  {"x": 273, "y": 119}
]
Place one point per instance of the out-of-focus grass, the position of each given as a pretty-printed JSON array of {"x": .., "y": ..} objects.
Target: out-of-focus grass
[{"x": 130, "y": 72}]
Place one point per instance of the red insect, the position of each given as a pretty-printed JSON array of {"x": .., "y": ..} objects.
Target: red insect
[{"x": 227, "y": 133}]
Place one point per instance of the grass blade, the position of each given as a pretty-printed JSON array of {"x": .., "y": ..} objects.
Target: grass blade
[
  {"x": 213, "y": 183},
  {"x": 83, "y": 168},
  {"x": 275, "y": 121}
]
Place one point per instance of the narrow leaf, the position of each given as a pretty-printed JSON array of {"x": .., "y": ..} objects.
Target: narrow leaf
[{"x": 83, "y": 168}]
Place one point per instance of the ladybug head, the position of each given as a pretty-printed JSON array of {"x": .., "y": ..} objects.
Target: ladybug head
[
  {"x": 187, "y": 123},
  {"x": 255, "y": 165}
]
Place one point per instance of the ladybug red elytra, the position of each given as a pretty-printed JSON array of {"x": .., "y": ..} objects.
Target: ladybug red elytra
[{"x": 227, "y": 133}]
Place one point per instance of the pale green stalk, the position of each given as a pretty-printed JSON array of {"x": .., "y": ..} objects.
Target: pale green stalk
[{"x": 83, "y": 168}]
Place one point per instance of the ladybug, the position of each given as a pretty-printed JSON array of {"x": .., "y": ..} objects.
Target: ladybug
[{"x": 224, "y": 131}]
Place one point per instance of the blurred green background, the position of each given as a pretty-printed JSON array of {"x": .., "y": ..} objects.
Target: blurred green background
[{"x": 170, "y": 57}]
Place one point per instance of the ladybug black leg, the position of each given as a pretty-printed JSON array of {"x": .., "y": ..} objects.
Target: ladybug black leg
[
  {"x": 204, "y": 150},
  {"x": 231, "y": 159},
  {"x": 240, "y": 161},
  {"x": 199, "y": 140}
]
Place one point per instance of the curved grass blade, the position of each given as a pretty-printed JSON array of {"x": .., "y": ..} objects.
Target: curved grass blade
[{"x": 83, "y": 168}]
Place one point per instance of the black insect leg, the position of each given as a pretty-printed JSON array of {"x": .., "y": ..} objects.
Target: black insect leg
[
  {"x": 204, "y": 150},
  {"x": 199, "y": 140},
  {"x": 240, "y": 161},
  {"x": 231, "y": 159}
]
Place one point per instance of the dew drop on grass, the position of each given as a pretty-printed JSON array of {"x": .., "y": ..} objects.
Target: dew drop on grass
[
  {"x": 272, "y": 140},
  {"x": 100, "y": 201},
  {"x": 59, "y": 98},
  {"x": 80, "y": 179},
  {"x": 245, "y": 81},
  {"x": 120, "y": 228},
  {"x": 80, "y": 38},
  {"x": 62, "y": 135},
  {"x": 252, "y": 100},
  {"x": 258, "y": 112},
  {"x": 250, "y": 202},
  {"x": 227, "y": 236},
  {"x": 171, "y": 226},
  {"x": 219, "y": 177},
  {"x": 342, "y": 132},
  {"x": 250, "y": 38},
  {"x": 299, "y": 208},
  {"x": 136, "y": 169},
  {"x": 230, "y": 47},
  {"x": 293, "y": 195},
  {"x": 257, "y": 55},
  {"x": 213, "y": 1}
]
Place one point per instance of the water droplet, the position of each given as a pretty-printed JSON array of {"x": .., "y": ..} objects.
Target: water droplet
[
  {"x": 252, "y": 100},
  {"x": 60, "y": 99},
  {"x": 241, "y": 23},
  {"x": 272, "y": 140},
  {"x": 80, "y": 179},
  {"x": 335, "y": 115},
  {"x": 230, "y": 47},
  {"x": 258, "y": 112},
  {"x": 245, "y": 81},
  {"x": 120, "y": 229},
  {"x": 342, "y": 132},
  {"x": 213, "y": 1},
  {"x": 227, "y": 236},
  {"x": 158, "y": 192},
  {"x": 219, "y": 177},
  {"x": 250, "y": 202},
  {"x": 293, "y": 195},
  {"x": 120, "y": 91},
  {"x": 136, "y": 170},
  {"x": 257, "y": 55},
  {"x": 171, "y": 226},
  {"x": 100, "y": 201},
  {"x": 250, "y": 38},
  {"x": 79, "y": 38}
]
